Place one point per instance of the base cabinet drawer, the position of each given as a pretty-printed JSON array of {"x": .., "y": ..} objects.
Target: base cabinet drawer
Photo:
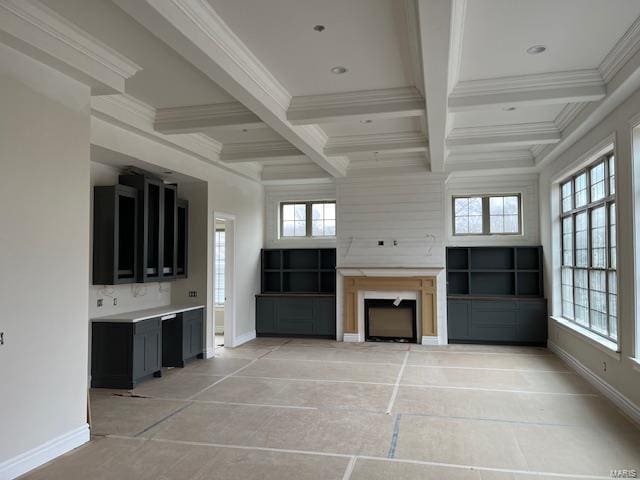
[
  {"x": 497, "y": 321},
  {"x": 307, "y": 316}
]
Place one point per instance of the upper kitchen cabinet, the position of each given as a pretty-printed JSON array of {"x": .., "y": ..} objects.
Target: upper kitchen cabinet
[
  {"x": 114, "y": 235},
  {"x": 183, "y": 238},
  {"x": 150, "y": 224},
  {"x": 169, "y": 232}
]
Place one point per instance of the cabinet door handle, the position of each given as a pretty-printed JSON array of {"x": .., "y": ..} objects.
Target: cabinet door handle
[{"x": 168, "y": 317}]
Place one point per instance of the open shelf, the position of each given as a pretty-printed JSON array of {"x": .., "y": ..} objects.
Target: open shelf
[{"x": 298, "y": 271}]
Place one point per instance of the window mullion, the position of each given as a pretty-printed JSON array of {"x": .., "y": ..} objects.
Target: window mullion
[
  {"x": 486, "y": 230},
  {"x": 307, "y": 220}
]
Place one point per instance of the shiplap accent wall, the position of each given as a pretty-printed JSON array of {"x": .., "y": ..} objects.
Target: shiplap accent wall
[
  {"x": 276, "y": 194},
  {"x": 524, "y": 184},
  {"x": 405, "y": 208}
]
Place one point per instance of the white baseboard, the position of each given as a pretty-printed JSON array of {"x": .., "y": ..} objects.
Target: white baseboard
[
  {"x": 623, "y": 403},
  {"x": 431, "y": 340},
  {"x": 27, "y": 461},
  {"x": 352, "y": 337},
  {"x": 244, "y": 338},
  {"x": 209, "y": 352}
]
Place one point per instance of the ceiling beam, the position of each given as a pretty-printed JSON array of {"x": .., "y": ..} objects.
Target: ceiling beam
[
  {"x": 298, "y": 173},
  {"x": 527, "y": 90},
  {"x": 358, "y": 105},
  {"x": 435, "y": 18},
  {"x": 37, "y": 31},
  {"x": 255, "y": 151},
  {"x": 385, "y": 142},
  {"x": 503, "y": 136},
  {"x": 197, "y": 118},
  {"x": 478, "y": 160},
  {"x": 195, "y": 30}
]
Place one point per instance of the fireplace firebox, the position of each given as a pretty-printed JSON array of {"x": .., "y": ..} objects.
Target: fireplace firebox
[{"x": 388, "y": 320}]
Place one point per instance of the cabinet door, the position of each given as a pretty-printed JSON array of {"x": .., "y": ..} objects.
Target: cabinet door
[
  {"x": 295, "y": 316},
  {"x": 459, "y": 319},
  {"x": 153, "y": 351},
  {"x": 193, "y": 338},
  {"x": 139, "y": 356},
  {"x": 324, "y": 317},
  {"x": 265, "y": 315}
]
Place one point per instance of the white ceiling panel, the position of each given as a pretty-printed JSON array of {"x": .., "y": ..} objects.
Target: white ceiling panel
[
  {"x": 368, "y": 37},
  {"x": 545, "y": 113},
  {"x": 407, "y": 124},
  {"x": 577, "y": 33}
]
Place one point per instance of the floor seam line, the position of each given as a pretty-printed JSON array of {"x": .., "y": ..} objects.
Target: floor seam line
[
  {"x": 396, "y": 387},
  {"x": 222, "y": 379},
  {"x": 167, "y": 417},
  {"x": 350, "y": 466},
  {"x": 394, "y": 436}
]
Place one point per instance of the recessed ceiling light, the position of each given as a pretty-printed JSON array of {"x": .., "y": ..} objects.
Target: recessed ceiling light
[
  {"x": 366, "y": 121},
  {"x": 509, "y": 109},
  {"x": 319, "y": 28},
  {"x": 536, "y": 49},
  {"x": 339, "y": 70}
]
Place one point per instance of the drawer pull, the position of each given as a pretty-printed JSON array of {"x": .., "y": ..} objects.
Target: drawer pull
[{"x": 168, "y": 317}]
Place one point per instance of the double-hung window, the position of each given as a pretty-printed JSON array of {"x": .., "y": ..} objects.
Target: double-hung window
[
  {"x": 307, "y": 219},
  {"x": 589, "y": 260}
]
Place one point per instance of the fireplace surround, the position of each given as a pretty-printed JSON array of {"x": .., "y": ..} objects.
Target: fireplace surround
[{"x": 390, "y": 320}]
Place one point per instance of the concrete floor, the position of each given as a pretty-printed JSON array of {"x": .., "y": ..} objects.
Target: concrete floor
[{"x": 309, "y": 409}]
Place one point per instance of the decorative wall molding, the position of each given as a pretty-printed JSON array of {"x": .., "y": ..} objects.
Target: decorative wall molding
[
  {"x": 621, "y": 401},
  {"x": 469, "y": 138},
  {"x": 198, "y": 117},
  {"x": 27, "y": 461},
  {"x": 536, "y": 89},
  {"x": 621, "y": 53},
  {"x": 38, "y": 31},
  {"x": 399, "y": 142},
  {"x": 332, "y": 107},
  {"x": 251, "y": 151}
]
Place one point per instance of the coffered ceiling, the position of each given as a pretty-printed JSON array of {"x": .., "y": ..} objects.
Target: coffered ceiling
[{"x": 428, "y": 85}]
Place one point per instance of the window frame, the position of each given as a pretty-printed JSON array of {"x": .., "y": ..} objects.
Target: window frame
[
  {"x": 308, "y": 220},
  {"x": 608, "y": 201},
  {"x": 216, "y": 287},
  {"x": 486, "y": 215}
]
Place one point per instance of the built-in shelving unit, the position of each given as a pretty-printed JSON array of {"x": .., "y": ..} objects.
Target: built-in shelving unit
[
  {"x": 495, "y": 295},
  {"x": 298, "y": 293}
]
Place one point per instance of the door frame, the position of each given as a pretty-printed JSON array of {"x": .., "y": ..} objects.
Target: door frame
[{"x": 229, "y": 278}]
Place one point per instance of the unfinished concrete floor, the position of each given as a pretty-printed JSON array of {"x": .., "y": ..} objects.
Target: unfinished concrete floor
[{"x": 280, "y": 409}]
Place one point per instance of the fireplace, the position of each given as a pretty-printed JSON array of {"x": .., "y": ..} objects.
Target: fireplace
[{"x": 388, "y": 320}]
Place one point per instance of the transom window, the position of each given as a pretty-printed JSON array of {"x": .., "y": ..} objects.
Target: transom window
[
  {"x": 307, "y": 219},
  {"x": 589, "y": 260},
  {"x": 487, "y": 215}
]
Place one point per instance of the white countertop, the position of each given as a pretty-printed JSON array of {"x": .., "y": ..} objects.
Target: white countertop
[{"x": 138, "y": 315}]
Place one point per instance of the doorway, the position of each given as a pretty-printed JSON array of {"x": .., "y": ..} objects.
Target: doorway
[{"x": 223, "y": 280}]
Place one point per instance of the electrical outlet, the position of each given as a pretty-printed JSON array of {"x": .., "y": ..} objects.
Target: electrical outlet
[
  {"x": 1, "y": 338},
  {"x": 99, "y": 302},
  {"x": 604, "y": 366},
  {"x": 381, "y": 243},
  {"x": 193, "y": 293},
  {"x": 115, "y": 302}
]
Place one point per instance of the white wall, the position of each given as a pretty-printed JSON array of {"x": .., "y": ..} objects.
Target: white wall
[
  {"x": 44, "y": 255},
  {"x": 524, "y": 184},
  {"x": 226, "y": 192},
  {"x": 276, "y": 194},
  {"x": 406, "y": 208},
  {"x": 620, "y": 372},
  {"x": 129, "y": 297}
]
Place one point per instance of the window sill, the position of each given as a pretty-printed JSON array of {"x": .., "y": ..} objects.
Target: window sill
[{"x": 605, "y": 346}]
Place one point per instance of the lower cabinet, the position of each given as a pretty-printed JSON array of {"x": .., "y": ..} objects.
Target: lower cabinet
[
  {"x": 182, "y": 338},
  {"x": 514, "y": 321},
  {"x": 123, "y": 354},
  {"x": 296, "y": 315}
]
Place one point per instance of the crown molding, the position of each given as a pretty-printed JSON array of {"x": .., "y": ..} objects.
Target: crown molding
[
  {"x": 202, "y": 14},
  {"x": 536, "y": 89},
  {"x": 129, "y": 113},
  {"x": 398, "y": 142},
  {"x": 332, "y": 107},
  {"x": 458, "y": 18},
  {"x": 469, "y": 161},
  {"x": 626, "y": 47},
  {"x": 198, "y": 117},
  {"x": 38, "y": 31},
  {"x": 476, "y": 138},
  {"x": 253, "y": 151},
  {"x": 287, "y": 174},
  {"x": 413, "y": 43},
  {"x": 568, "y": 114}
]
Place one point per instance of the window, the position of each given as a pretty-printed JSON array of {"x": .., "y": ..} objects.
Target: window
[
  {"x": 589, "y": 261},
  {"x": 308, "y": 219},
  {"x": 487, "y": 215},
  {"x": 218, "y": 296}
]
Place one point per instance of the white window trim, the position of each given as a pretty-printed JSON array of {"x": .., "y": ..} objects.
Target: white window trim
[{"x": 606, "y": 346}]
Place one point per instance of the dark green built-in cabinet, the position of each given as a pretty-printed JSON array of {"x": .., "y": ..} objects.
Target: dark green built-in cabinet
[
  {"x": 298, "y": 293},
  {"x": 495, "y": 295}
]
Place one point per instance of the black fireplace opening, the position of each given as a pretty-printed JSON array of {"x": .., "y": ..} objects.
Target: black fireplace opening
[{"x": 384, "y": 321}]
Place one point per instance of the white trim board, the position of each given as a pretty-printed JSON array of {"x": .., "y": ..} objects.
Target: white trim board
[
  {"x": 244, "y": 338},
  {"x": 622, "y": 402},
  {"x": 27, "y": 461}
]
